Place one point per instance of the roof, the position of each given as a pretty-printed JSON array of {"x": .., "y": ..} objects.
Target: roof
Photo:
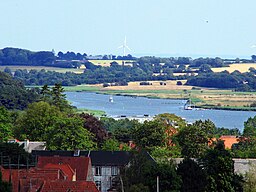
[
  {"x": 79, "y": 164},
  {"x": 60, "y": 186},
  {"x": 229, "y": 140},
  {"x": 65, "y": 168},
  {"x": 53, "y": 174},
  {"x": 98, "y": 158}
]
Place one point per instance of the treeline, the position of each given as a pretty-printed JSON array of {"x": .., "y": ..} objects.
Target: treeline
[
  {"x": 15, "y": 56},
  {"x": 92, "y": 75},
  {"x": 235, "y": 80}
]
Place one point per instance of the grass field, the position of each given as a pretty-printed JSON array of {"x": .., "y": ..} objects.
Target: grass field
[
  {"x": 200, "y": 96},
  {"x": 97, "y": 113},
  {"x": 242, "y": 67}
]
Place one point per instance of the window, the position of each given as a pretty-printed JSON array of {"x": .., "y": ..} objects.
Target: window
[
  {"x": 114, "y": 170},
  {"x": 98, "y": 171},
  {"x": 98, "y": 185}
]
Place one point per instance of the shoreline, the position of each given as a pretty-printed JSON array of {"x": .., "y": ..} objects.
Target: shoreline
[{"x": 208, "y": 107}]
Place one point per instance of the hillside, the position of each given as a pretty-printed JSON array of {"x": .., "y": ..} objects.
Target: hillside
[{"x": 13, "y": 94}]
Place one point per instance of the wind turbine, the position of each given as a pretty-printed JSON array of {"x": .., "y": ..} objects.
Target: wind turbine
[{"x": 124, "y": 46}]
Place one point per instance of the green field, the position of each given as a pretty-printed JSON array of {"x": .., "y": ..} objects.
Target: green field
[{"x": 97, "y": 113}]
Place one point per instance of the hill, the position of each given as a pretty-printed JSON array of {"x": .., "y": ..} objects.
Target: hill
[{"x": 13, "y": 94}]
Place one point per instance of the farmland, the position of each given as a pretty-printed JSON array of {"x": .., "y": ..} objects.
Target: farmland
[{"x": 242, "y": 67}]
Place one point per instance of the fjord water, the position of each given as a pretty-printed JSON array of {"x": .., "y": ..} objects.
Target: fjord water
[{"x": 132, "y": 106}]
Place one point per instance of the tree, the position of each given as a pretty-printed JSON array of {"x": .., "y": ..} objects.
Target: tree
[
  {"x": 5, "y": 124},
  {"x": 170, "y": 181},
  {"x": 120, "y": 129},
  {"x": 59, "y": 98},
  {"x": 192, "y": 175},
  {"x": 150, "y": 134},
  {"x": 13, "y": 94},
  {"x": 45, "y": 92},
  {"x": 36, "y": 121},
  {"x": 141, "y": 167},
  {"x": 250, "y": 180},
  {"x": 250, "y": 127},
  {"x": 68, "y": 134},
  {"x": 205, "y": 69},
  {"x": 95, "y": 126},
  {"x": 219, "y": 166},
  {"x": 111, "y": 145},
  {"x": 195, "y": 139},
  {"x": 8, "y": 70}
]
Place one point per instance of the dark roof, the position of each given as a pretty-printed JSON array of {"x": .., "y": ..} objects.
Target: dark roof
[{"x": 98, "y": 158}]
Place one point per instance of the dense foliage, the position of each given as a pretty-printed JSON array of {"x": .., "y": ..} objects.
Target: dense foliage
[
  {"x": 13, "y": 94},
  {"x": 236, "y": 80}
]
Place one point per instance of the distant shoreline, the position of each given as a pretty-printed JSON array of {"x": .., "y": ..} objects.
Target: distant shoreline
[{"x": 227, "y": 108}]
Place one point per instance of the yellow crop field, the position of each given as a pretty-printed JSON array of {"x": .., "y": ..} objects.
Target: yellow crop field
[
  {"x": 170, "y": 85},
  {"x": 242, "y": 67}
]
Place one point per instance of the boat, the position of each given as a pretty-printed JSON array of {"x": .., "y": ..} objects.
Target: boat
[
  {"x": 188, "y": 105},
  {"x": 111, "y": 99}
]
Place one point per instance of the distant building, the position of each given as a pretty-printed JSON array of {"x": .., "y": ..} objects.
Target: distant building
[
  {"x": 94, "y": 57},
  {"x": 106, "y": 165},
  {"x": 30, "y": 145},
  {"x": 139, "y": 118}
]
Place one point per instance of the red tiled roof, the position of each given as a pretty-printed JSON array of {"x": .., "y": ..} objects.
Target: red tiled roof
[
  {"x": 61, "y": 186},
  {"x": 229, "y": 140},
  {"x": 65, "y": 168},
  {"x": 79, "y": 164},
  {"x": 53, "y": 174}
]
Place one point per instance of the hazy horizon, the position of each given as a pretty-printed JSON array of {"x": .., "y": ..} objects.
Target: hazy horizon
[{"x": 168, "y": 28}]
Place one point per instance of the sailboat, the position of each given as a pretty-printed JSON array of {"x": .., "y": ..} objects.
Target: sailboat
[{"x": 188, "y": 105}]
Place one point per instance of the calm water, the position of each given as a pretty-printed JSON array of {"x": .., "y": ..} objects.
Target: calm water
[{"x": 130, "y": 106}]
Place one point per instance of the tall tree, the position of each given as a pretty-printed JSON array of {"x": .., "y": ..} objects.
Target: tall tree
[
  {"x": 35, "y": 123},
  {"x": 219, "y": 166},
  {"x": 194, "y": 178},
  {"x": 68, "y": 134},
  {"x": 5, "y": 124},
  {"x": 59, "y": 98},
  {"x": 150, "y": 134},
  {"x": 250, "y": 127},
  {"x": 95, "y": 126},
  {"x": 196, "y": 138}
]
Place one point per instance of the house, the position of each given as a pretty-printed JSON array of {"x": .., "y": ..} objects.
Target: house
[
  {"x": 228, "y": 140},
  {"x": 106, "y": 165},
  {"x": 53, "y": 174},
  {"x": 30, "y": 145}
]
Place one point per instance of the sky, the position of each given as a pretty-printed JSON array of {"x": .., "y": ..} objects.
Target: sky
[{"x": 193, "y": 28}]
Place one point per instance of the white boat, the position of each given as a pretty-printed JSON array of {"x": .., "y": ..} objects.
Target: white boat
[
  {"x": 188, "y": 105},
  {"x": 111, "y": 99}
]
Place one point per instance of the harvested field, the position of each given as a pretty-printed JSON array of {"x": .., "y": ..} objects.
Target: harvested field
[{"x": 242, "y": 67}]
